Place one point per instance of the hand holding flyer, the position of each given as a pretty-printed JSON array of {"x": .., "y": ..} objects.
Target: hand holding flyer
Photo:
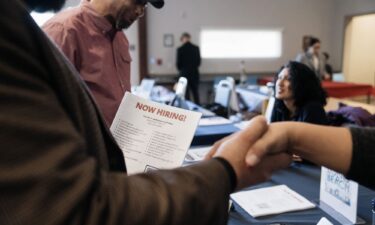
[{"x": 152, "y": 135}]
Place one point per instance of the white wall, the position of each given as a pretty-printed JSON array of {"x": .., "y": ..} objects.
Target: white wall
[
  {"x": 345, "y": 8},
  {"x": 322, "y": 18},
  {"x": 295, "y": 17},
  {"x": 132, "y": 35}
]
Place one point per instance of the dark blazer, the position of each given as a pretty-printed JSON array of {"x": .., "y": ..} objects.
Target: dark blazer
[
  {"x": 59, "y": 164},
  {"x": 188, "y": 61},
  {"x": 311, "y": 112}
]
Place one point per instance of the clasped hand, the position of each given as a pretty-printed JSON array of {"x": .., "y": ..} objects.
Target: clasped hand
[{"x": 255, "y": 152}]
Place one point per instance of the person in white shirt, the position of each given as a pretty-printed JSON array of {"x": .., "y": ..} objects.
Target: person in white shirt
[{"x": 313, "y": 58}]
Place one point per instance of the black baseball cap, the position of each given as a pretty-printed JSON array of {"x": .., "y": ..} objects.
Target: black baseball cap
[{"x": 156, "y": 3}]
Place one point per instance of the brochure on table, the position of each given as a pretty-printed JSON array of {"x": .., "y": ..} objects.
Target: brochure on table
[
  {"x": 214, "y": 120},
  {"x": 271, "y": 200},
  {"x": 324, "y": 221},
  {"x": 152, "y": 135},
  {"x": 197, "y": 153},
  {"x": 339, "y": 194}
]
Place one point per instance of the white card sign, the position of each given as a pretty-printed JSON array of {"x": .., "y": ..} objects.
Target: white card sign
[
  {"x": 324, "y": 221},
  {"x": 339, "y": 194}
]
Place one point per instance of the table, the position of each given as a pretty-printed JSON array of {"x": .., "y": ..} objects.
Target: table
[
  {"x": 265, "y": 80},
  {"x": 204, "y": 135},
  {"x": 253, "y": 97},
  {"x": 345, "y": 90},
  {"x": 336, "y": 89},
  {"x": 208, "y": 135},
  {"x": 333, "y": 104},
  {"x": 305, "y": 180}
]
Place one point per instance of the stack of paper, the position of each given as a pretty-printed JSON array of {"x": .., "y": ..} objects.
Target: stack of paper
[
  {"x": 216, "y": 120},
  {"x": 271, "y": 200},
  {"x": 242, "y": 125},
  {"x": 197, "y": 154}
]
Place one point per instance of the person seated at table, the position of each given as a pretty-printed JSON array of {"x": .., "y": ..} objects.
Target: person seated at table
[
  {"x": 347, "y": 150},
  {"x": 328, "y": 68},
  {"x": 299, "y": 95}
]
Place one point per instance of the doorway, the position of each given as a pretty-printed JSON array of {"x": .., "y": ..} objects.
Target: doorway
[{"x": 359, "y": 50}]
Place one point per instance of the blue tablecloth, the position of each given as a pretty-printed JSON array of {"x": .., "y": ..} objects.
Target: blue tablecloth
[
  {"x": 305, "y": 180},
  {"x": 207, "y": 135}
]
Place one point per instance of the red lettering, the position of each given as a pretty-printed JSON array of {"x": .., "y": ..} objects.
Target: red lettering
[{"x": 139, "y": 105}]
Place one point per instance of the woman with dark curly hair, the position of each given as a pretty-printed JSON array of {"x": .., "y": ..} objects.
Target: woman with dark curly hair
[{"x": 299, "y": 95}]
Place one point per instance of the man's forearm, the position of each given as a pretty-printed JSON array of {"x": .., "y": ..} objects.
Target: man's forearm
[{"x": 323, "y": 145}]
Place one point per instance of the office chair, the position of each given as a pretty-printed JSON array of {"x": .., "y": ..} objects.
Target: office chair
[
  {"x": 179, "y": 98},
  {"x": 270, "y": 105}
]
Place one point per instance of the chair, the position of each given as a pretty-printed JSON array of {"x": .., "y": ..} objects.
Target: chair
[
  {"x": 269, "y": 109},
  {"x": 181, "y": 87},
  {"x": 217, "y": 80},
  {"x": 223, "y": 93},
  {"x": 233, "y": 102},
  {"x": 179, "y": 98},
  {"x": 211, "y": 92}
]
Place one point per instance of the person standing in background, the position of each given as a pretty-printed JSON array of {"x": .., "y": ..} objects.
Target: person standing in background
[
  {"x": 91, "y": 36},
  {"x": 313, "y": 59},
  {"x": 328, "y": 67},
  {"x": 188, "y": 61}
]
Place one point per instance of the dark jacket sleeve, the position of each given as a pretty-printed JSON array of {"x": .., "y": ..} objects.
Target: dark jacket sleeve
[
  {"x": 199, "y": 59},
  {"x": 362, "y": 168},
  {"x": 48, "y": 175}
]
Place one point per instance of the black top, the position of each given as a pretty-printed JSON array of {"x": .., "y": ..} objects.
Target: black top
[
  {"x": 188, "y": 61},
  {"x": 362, "y": 168},
  {"x": 329, "y": 69},
  {"x": 311, "y": 112}
]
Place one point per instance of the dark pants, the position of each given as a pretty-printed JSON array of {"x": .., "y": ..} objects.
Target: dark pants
[{"x": 193, "y": 87}]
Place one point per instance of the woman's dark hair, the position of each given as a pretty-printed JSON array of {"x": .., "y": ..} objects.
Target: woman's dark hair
[
  {"x": 313, "y": 41},
  {"x": 306, "y": 87}
]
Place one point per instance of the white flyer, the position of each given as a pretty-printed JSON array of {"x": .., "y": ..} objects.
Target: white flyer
[
  {"x": 215, "y": 120},
  {"x": 152, "y": 135},
  {"x": 324, "y": 221},
  {"x": 271, "y": 200}
]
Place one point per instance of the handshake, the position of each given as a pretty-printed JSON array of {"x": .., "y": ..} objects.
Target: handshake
[{"x": 260, "y": 149}]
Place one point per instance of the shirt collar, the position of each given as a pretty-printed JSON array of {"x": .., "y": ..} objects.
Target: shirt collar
[{"x": 101, "y": 23}]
